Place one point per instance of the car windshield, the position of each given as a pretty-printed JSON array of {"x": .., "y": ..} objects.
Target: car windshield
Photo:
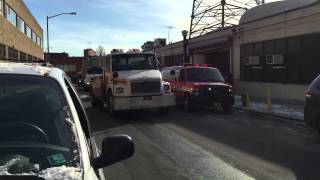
[
  {"x": 35, "y": 125},
  {"x": 126, "y": 62},
  {"x": 204, "y": 75},
  {"x": 94, "y": 70}
]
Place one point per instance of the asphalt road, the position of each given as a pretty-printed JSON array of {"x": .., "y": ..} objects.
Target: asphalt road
[{"x": 208, "y": 145}]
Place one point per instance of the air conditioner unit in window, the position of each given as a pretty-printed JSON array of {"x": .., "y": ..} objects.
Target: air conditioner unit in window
[
  {"x": 274, "y": 59},
  {"x": 251, "y": 60}
]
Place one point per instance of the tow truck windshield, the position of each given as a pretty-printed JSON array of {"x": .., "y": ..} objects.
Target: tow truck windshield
[
  {"x": 204, "y": 75},
  {"x": 126, "y": 62}
]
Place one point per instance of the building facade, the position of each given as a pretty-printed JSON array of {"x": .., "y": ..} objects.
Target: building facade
[
  {"x": 21, "y": 36},
  {"x": 72, "y": 66},
  {"x": 274, "y": 46}
]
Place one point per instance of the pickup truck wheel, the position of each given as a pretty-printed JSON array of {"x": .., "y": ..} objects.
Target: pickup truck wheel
[
  {"x": 226, "y": 108},
  {"x": 164, "y": 111},
  {"x": 111, "y": 110},
  {"x": 188, "y": 106}
]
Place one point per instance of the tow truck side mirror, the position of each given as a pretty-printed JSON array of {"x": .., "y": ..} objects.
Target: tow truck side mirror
[
  {"x": 172, "y": 72},
  {"x": 115, "y": 74}
]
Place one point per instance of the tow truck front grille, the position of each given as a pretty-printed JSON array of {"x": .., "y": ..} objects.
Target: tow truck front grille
[{"x": 145, "y": 87}]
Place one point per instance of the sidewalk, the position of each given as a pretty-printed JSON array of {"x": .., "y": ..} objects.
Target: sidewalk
[{"x": 288, "y": 110}]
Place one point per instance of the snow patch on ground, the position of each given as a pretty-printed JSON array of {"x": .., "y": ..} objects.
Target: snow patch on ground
[
  {"x": 63, "y": 172},
  {"x": 5, "y": 67},
  {"x": 284, "y": 110}
]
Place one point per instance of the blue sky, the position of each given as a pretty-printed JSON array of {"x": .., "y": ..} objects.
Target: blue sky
[
  {"x": 110, "y": 23},
  {"x": 121, "y": 24}
]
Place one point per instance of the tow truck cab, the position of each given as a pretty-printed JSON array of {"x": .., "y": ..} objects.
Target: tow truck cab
[
  {"x": 131, "y": 81},
  {"x": 199, "y": 85}
]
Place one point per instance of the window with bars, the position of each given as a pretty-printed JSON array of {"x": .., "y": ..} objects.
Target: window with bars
[
  {"x": 13, "y": 54},
  {"x": 2, "y": 51}
]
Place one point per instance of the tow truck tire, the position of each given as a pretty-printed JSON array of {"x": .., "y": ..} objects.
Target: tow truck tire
[
  {"x": 111, "y": 110},
  {"x": 187, "y": 104},
  {"x": 226, "y": 108},
  {"x": 164, "y": 111}
]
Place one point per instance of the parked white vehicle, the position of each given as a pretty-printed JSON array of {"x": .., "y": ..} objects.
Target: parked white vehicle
[
  {"x": 131, "y": 81},
  {"x": 44, "y": 130}
]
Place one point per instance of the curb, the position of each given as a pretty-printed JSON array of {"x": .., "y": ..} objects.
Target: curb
[{"x": 270, "y": 114}]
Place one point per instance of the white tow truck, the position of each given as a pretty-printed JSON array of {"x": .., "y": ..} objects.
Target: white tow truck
[{"x": 130, "y": 81}]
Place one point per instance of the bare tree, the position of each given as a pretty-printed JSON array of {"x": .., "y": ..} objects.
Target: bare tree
[{"x": 101, "y": 51}]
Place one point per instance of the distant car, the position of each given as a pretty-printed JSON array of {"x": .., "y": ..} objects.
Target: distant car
[
  {"x": 44, "y": 130},
  {"x": 199, "y": 85},
  {"x": 312, "y": 107}
]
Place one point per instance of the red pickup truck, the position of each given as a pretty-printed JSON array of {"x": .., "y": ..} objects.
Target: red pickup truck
[{"x": 199, "y": 85}]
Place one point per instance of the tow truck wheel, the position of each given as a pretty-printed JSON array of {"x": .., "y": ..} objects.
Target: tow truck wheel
[
  {"x": 187, "y": 104},
  {"x": 111, "y": 110}
]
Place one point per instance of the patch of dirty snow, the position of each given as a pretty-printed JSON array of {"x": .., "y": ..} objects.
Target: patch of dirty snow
[{"x": 62, "y": 172}]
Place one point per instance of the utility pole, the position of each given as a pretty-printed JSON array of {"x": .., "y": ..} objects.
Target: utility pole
[{"x": 169, "y": 29}]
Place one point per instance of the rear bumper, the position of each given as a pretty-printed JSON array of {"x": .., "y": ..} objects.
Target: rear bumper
[{"x": 131, "y": 103}]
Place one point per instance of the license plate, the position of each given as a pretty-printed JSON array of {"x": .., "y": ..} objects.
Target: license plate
[{"x": 147, "y": 98}]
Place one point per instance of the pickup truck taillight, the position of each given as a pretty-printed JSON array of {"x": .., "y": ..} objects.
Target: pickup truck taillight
[{"x": 308, "y": 94}]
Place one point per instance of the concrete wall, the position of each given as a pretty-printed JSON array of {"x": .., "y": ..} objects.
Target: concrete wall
[
  {"x": 278, "y": 91},
  {"x": 299, "y": 22},
  {"x": 199, "y": 58},
  {"x": 11, "y": 36}
]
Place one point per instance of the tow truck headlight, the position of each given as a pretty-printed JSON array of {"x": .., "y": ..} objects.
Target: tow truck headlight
[
  {"x": 119, "y": 90},
  {"x": 167, "y": 88}
]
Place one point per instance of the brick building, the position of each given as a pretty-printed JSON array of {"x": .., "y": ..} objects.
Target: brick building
[
  {"x": 21, "y": 36},
  {"x": 71, "y": 65}
]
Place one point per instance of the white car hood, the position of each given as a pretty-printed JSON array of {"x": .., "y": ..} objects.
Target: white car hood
[{"x": 136, "y": 75}]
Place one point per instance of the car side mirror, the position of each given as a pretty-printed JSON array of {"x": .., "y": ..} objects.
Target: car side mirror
[
  {"x": 115, "y": 74},
  {"x": 172, "y": 72},
  {"x": 114, "y": 149}
]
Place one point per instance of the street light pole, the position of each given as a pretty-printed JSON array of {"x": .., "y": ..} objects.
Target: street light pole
[
  {"x": 48, "y": 51},
  {"x": 48, "y": 44}
]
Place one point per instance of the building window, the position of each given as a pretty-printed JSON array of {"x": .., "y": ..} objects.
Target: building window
[
  {"x": 23, "y": 57},
  {"x": 34, "y": 37},
  {"x": 38, "y": 41},
  {"x": 1, "y": 7},
  {"x": 28, "y": 31},
  {"x": 288, "y": 60},
  {"x": 13, "y": 54},
  {"x": 21, "y": 25},
  {"x": 11, "y": 15},
  {"x": 2, "y": 51}
]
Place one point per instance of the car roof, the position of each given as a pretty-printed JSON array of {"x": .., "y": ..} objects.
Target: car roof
[{"x": 35, "y": 69}]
